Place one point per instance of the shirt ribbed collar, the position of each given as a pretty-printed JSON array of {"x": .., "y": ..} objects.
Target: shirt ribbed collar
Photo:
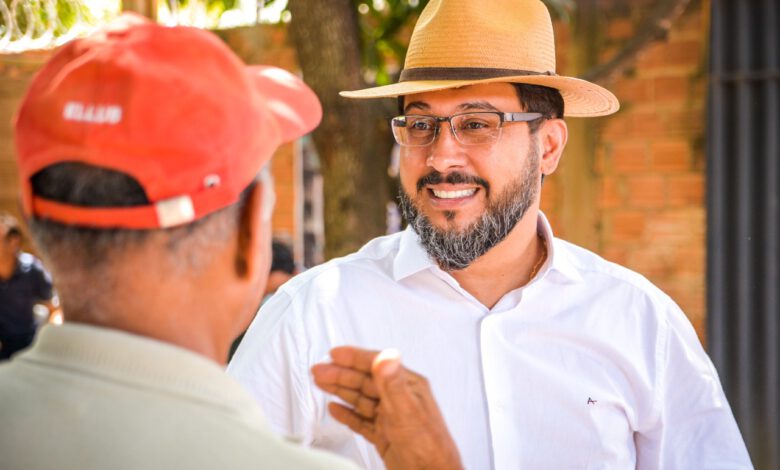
[
  {"x": 412, "y": 257},
  {"x": 126, "y": 358}
]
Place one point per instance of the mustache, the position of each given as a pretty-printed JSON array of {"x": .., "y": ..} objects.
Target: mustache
[{"x": 436, "y": 177}]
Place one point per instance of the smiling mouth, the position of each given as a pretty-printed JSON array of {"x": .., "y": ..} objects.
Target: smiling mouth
[{"x": 454, "y": 194}]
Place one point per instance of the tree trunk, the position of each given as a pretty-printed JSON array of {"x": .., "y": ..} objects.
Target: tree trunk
[{"x": 352, "y": 142}]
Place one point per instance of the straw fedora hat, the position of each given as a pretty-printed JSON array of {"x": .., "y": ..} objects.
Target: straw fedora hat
[{"x": 465, "y": 42}]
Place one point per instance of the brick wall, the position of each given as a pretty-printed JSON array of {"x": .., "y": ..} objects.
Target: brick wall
[
  {"x": 15, "y": 73},
  {"x": 269, "y": 45},
  {"x": 647, "y": 162}
]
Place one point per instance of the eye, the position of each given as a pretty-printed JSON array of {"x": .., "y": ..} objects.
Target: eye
[
  {"x": 418, "y": 124},
  {"x": 474, "y": 124}
]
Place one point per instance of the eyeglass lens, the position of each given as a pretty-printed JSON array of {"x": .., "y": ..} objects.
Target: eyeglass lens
[{"x": 468, "y": 129}]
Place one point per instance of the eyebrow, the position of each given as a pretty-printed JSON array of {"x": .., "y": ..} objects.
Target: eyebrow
[{"x": 423, "y": 106}]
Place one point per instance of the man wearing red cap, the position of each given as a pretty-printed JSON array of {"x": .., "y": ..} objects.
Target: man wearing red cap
[
  {"x": 541, "y": 354},
  {"x": 139, "y": 154}
]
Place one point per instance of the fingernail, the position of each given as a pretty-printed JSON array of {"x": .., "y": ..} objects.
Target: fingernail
[
  {"x": 390, "y": 366},
  {"x": 393, "y": 359}
]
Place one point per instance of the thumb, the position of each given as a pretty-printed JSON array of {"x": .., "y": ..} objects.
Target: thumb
[{"x": 388, "y": 375}]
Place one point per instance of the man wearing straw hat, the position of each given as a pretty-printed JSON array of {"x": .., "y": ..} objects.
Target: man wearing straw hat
[{"x": 541, "y": 354}]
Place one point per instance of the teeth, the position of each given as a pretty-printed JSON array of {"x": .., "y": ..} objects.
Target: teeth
[{"x": 454, "y": 194}]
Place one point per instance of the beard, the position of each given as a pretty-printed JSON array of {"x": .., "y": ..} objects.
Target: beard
[{"x": 454, "y": 249}]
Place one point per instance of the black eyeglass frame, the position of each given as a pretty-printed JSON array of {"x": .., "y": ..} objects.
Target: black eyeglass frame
[{"x": 503, "y": 117}]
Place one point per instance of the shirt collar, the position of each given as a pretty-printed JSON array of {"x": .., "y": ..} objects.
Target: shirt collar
[
  {"x": 558, "y": 259},
  {"x": 130, "y": 358},
  {"x": 412, "y": 257}
]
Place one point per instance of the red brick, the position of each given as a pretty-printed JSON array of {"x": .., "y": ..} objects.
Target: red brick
[
  {"x": 629, "y": 157},
  {"x": 671, "y": 155},
  {"x": 634, "y": 90},
  {"x": 688, "y": 25},
  {"x": 685, "y": 121},
  {"x": 620, "y": 28},
  {"x": 681, "y": 53},
  {"x": 283, "y": 169},
  {"x": 679, "y": 227},
  {"x": 615, "y": 126},
  {"x": 646, "y": 191},
  {"x": 627, "y": 225},
  {"x": 654, "y": 261},
  {"x": 609, "y": 193},
  {"x": 646, "y": 124},
  {"x": 686, "y": 190},
  {"x": 690, "y": 259},
  {"x": 674, "y": 88},
  {"x": 616, "y": 254}
]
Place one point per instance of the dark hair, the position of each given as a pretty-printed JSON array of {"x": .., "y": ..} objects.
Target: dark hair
[
  {"x": 533, "y": 98},
  {"x": 539, "y": 99},
  {"x": 12, "y": 226},
  {"x": 90, "y": 186},
  {"x": 282, "y": 257}
]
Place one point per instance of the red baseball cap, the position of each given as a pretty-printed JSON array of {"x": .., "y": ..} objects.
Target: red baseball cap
[{"x": 172, "y": 107}]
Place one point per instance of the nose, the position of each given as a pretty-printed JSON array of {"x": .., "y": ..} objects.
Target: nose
[{"x": 445, "y": 152}]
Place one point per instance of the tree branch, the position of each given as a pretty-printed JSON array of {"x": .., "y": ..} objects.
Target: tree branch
[{"x": 656, "y": 27}]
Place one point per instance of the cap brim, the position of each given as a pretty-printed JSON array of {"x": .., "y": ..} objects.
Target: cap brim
[
  {"x": 581, "y": 98},
  {"x": 292, "y": 103}
]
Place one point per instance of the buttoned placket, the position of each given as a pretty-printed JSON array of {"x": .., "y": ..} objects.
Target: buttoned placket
[{"x": 510, "y": 304}]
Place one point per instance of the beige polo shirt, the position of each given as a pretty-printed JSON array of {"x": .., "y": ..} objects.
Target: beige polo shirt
[{"x": 86, "y": 398}]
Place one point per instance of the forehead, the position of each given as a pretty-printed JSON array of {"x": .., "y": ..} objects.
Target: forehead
[{"x": 501, "y": 96}]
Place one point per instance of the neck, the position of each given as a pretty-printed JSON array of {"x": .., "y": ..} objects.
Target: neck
[
  {"x": 507, "y": 266},
  {"x": 7, "y": 266},
  {"x": 169, "y": 310}
]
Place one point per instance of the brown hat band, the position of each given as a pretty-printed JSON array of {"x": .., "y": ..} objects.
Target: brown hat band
[{"x": 462, "y": 73}]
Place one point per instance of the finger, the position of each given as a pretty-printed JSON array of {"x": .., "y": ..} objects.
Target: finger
[
  {"x": 355, "y": 358},
  {"x": 354, "y": 421},
  {"x": 329, "y": 375},
  {"x": 361, "y": 404},
  {"x": 401, "y": 391}
]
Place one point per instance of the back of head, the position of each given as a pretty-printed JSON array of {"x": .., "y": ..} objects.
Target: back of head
[{"x": 140, "y": 144}]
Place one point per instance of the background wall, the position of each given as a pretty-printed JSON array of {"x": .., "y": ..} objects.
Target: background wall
[{"x": 631, "y": 185}]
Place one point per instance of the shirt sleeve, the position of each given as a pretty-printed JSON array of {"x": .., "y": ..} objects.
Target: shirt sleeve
[
  {"x": 695, "y": 427},
  {"x": 43, "y": 283},
  {"x": 269, "y": 364}
]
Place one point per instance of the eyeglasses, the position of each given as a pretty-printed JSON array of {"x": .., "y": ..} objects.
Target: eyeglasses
[{"x": 478, "y": 128}]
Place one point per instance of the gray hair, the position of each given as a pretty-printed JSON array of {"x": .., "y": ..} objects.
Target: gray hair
[{"x": 189, "y": 246}]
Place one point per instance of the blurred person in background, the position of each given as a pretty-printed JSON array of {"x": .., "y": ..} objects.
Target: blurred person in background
[
  {"x": 282, "y": 267},
  {"x": 24, "y": 283}
]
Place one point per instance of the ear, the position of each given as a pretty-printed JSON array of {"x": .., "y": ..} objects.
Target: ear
[
  {"x": 553, "y": 136},
  {"x": 254, "y": 237}
]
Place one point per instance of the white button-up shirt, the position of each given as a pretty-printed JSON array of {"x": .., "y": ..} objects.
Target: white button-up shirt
[{"x": 588, "y": 366}]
